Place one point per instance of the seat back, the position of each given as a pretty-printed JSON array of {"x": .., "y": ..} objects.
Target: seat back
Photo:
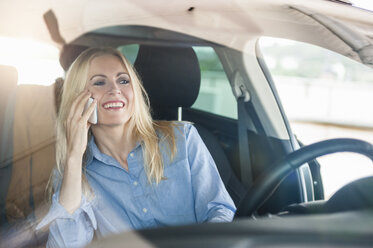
[
  {"x": 33, "y": 151},
  {"x": 8, "y": 84},
  {"x": 27, "y": 120},
  {"x": 171, "y": 76}
]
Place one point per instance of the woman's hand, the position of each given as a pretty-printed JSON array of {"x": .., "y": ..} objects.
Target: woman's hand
[{"x": 77, "y": 125}]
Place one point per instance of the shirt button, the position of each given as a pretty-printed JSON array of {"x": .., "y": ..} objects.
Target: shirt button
[
  {"x": 144, "y": 210},
  {"x": 135, "y": 183}
]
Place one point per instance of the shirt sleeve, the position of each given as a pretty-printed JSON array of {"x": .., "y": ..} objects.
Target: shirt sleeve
[
  {"x": 212, "y": 201},
  {"x": 69, "y": 230}
]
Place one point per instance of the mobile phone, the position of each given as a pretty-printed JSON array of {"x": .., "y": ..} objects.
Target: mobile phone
[{"x": 93, "y": 118}]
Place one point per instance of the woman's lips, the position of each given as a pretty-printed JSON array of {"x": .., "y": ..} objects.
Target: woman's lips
[{"x": 113, "y": 105}]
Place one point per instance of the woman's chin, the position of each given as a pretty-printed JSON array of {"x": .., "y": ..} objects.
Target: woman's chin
[{"x": 112, "y": 123}]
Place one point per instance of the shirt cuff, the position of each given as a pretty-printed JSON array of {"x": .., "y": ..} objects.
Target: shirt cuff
[
  {"x": 57, "y": 211},
  {"x": 222, "y": 215}
]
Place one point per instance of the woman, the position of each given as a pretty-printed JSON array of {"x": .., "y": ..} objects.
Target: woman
[{"x": 127, "y": 171}]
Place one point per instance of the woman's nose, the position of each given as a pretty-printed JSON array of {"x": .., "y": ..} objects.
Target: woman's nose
[{"x": 114, "y": 89}]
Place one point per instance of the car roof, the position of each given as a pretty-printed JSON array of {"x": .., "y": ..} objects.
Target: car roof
[{"x": 230, "y": 23}]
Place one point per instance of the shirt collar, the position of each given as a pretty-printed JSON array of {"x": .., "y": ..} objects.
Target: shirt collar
[{"x": 94, "y": 152}]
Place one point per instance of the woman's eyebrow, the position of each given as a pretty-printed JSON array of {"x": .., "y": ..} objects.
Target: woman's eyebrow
[
  {"x": 102, "y": 75},
  {"x": 122, "y": 73},
  {"x": 97, "y": 75}
]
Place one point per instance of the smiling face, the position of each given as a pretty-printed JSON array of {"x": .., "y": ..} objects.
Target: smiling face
[{"x": 110, "y": 84}]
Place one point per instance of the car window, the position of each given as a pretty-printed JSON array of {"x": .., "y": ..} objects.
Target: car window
[
  {"x": 324, "y": 95},
  {"x": 129, "y": 51},
  {"x": 215, "y": 94},
  {"x": 36, "y": 62}
]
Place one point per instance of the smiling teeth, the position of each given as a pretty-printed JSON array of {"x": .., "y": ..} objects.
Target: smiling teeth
[{"x": 114, "y": 105}]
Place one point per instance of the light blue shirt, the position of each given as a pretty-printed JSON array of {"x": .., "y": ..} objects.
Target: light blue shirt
[{"x": 192, "y": 192}]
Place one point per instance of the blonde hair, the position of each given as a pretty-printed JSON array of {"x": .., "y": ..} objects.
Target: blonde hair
[{"x": 140, "y": 123}]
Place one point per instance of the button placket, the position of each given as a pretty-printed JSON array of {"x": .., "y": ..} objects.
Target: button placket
[{"x": 134, "y": 164}]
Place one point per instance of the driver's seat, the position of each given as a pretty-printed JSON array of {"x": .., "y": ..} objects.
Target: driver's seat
[{"x": 171, "y": 77}]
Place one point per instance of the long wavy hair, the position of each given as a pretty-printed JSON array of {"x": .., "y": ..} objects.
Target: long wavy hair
[{"x": 141, "y": 124}]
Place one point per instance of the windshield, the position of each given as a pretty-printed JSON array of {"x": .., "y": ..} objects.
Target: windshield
[{"x": 324, "y": 95}]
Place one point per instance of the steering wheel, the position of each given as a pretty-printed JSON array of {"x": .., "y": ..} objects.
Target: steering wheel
[{"x": 268, "y": 182}]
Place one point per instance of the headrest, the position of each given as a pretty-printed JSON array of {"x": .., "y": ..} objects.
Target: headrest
[
  {"x": 69, "y": 53},
  {"x": 171, "y": 75}
]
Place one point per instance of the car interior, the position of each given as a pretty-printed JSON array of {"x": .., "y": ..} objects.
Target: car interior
[
  {"x": 243, "y": 149},
  {"x": 171, "y": 77}
]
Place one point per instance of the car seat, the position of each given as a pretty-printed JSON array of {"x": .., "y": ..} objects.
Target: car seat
[
  {"x": 8, "y": 84},
  {"x": 27, "y": 156},
  {"x": 27, "y": 146},
  {"x": 171, "y": 77}
]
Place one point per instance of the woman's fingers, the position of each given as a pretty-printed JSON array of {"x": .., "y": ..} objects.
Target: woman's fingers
[
  {"x": 79, "y": 98},
  {"x": 75, "y": 110},
  {"x": 77, "y": 125},
  {"x": 79, "y": 110},
  {"x": 89, "y": 111}
]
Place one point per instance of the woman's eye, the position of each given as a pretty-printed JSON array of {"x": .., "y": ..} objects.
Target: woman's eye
[
  {"x": 99, "y": 83},
  {"x": 124, "y": 81}
]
